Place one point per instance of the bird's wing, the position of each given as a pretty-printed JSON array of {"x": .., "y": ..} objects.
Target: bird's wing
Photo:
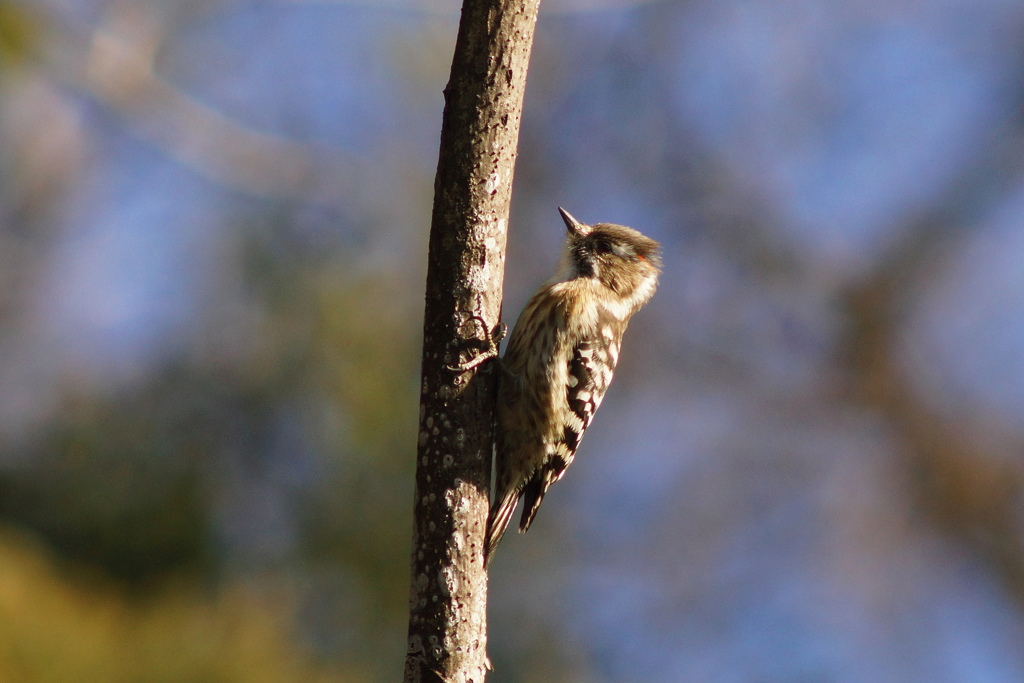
[{"x": 589, "y": 374}]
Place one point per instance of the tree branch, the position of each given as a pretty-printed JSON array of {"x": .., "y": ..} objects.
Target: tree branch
[
  {"x": 963, "y": 489},
  {"x": 473, "y": 186}
]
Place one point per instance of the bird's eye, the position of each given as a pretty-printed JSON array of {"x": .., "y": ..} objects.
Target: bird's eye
[{"x": 603, "y": 247}]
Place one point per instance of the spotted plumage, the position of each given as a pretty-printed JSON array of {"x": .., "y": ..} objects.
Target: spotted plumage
[{"x": 560, "y": 359}]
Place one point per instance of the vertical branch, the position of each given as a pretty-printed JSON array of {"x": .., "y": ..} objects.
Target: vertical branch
[{"x": 472, "y": 190}]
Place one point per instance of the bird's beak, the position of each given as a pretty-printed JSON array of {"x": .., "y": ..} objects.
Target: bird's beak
[{"x": 571, "y": 224}]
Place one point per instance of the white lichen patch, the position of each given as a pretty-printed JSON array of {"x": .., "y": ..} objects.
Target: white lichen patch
[{"x": 492, "y": 183}]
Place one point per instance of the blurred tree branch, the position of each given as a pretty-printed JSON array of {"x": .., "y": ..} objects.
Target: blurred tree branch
[
  {"x": 115, "y": 65},
  {"x": 961, "y": 485},
  {"x": 472, "y": 191}
]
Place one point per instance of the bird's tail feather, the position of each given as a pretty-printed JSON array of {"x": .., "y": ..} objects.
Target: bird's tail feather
[
  {"x": 533, "y": 495},
  {"x": 497, "y": 522}
]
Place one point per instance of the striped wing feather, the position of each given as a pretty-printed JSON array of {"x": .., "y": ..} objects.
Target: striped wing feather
[{"x": 590, "y": 372}]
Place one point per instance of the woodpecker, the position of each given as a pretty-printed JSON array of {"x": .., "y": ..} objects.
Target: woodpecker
[{"x": 560, "y": 359}]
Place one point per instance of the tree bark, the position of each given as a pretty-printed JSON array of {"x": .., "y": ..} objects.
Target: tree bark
[{"x": 472, "y": 190}]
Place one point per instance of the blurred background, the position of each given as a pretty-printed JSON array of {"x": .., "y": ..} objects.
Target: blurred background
[{"x": 213, "y": 219}]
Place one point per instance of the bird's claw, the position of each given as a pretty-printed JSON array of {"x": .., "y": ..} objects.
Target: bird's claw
[{"x": 494, "y": 337}]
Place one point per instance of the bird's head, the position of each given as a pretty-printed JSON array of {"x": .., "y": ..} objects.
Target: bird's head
[{"x": 622, "y": 259}]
